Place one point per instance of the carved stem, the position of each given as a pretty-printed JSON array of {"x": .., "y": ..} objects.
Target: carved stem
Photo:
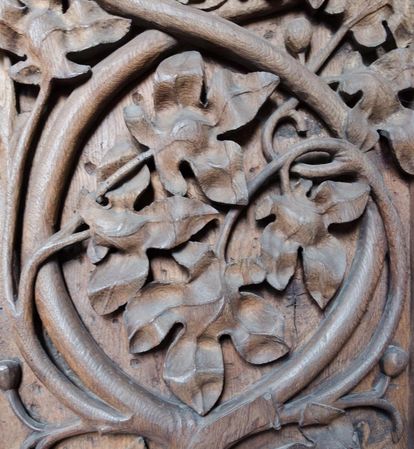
[
  {"x": 340, "y": 384},
  {"x": 21, "y": 412},
  {"x": 315, "y": 64},
  {"x": 14, "y": 191},
  {"x": 50, "y": 436},
  {"x": 241, "y": 43},
  {"x": 358, "y": 400},
  {"x": 157, "y": 419},
  {"x": 122, "y": 173},
  {"x": 24, "y": 327}
]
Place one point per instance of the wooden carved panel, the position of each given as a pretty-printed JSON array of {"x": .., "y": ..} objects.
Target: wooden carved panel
[{"x": 206, "y": 224}]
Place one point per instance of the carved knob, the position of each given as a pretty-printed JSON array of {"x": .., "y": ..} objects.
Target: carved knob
[
  {"x": 10, "y": 374},
  {"x": 394, "y": 361},
  {"x": 298, "y": 35}
]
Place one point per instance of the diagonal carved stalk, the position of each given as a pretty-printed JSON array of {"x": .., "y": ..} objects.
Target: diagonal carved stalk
[{"x": 14, "y": 192}]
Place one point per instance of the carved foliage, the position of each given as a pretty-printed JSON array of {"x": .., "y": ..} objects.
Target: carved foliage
[
  {"x": 208, "y": 305},
  {"x": 369, "y": 17},
  {"x": 188, "y": 122},
  {"x": 41, "y": 32},
  {"x": 302, "y": 221},
  {"x": 185, "y": 129},
  {"x": 379, "y": 86}
]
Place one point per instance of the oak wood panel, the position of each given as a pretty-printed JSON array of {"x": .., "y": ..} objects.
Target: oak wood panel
[{"x": 247, "y": 308}]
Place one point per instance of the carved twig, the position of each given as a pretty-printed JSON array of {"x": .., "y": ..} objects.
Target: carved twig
[
  {"x": 21, "y": 412},
  {"x": 51, "y": 435},
  {"x": 122, "y": 173}
]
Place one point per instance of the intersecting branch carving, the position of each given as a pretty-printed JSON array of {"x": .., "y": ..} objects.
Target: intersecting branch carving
[{"x": 195, "y": 119}]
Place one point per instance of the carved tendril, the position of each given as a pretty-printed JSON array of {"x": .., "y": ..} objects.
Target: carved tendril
[
  {"x": 222, "y": 246},
  {"x": 287, "y": 110}
]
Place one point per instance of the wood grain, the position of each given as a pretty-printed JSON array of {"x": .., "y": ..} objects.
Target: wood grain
[{"x": 206, "y": 225}]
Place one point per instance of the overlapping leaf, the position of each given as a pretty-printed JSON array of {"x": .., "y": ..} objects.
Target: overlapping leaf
[
  {"x": 41, "y": 32},
  {"x": 164, "y": 224},
  {"x": 185, "y": 130},
  {"x": 302, "y": 223},
  {"x": 379, "y": 85},
  {"x": 208, "y": 306},
  {"x": 368, "y": 19}
]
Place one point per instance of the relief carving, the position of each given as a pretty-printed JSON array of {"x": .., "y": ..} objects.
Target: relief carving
[{"x": 227, "y": 187}]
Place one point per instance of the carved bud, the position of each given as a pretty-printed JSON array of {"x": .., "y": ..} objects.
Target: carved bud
[
  {"x": 394, "y": 361},
  {"x": 10, "y": 374},
  {"x": 298, "y": 35}
]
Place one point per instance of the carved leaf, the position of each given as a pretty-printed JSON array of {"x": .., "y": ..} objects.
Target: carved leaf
[
  {"x": 208, "y": 305},
  {"x": 369, "y": 17},
  {"x": 44, "y": 34},
  {"x": 235, "y": 98},
  {"x": 163, "y": 225},
  {"x": 399, "y": 130},
  {"x": 341, "y": 202},
  {"x": 115, "y": 281},
  {"x": 185, "y": 130},
  {"x": 380, "y": 84},
  {"x": 258, "y": 324},
  {"x": 194, "y": 372},
  {"x": 302, "y": 222}
]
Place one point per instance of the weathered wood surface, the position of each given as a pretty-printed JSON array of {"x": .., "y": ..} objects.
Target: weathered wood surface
[{"x": 205, "y": 240}]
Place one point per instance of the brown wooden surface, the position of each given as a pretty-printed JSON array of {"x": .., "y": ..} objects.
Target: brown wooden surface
[{"x": 269, "y": 50}]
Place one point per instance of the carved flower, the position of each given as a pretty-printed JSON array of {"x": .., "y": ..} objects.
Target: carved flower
[
  {"x": 208, "y": 305},
  {"x": 185, "y": 129},
  {"x": 164, "y": 224},
  {"x": 370, "y": 30},
  {"x": 302, "y": 223},
  {"x": 379, "y": 85},
  {"x": 42, "y": 33}
]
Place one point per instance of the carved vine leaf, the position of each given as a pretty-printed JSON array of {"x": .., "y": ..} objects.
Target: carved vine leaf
[
  {"x": 370, "y": 31},
  {"x": 42, "y": 33},
  {"x": 164, "y": 224},
  {"x": 208, "y": 305},
  {"x": 302, "y": 222},
  {"x": 380, "y": 84},
  {"x": 184, "y": 129}
]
